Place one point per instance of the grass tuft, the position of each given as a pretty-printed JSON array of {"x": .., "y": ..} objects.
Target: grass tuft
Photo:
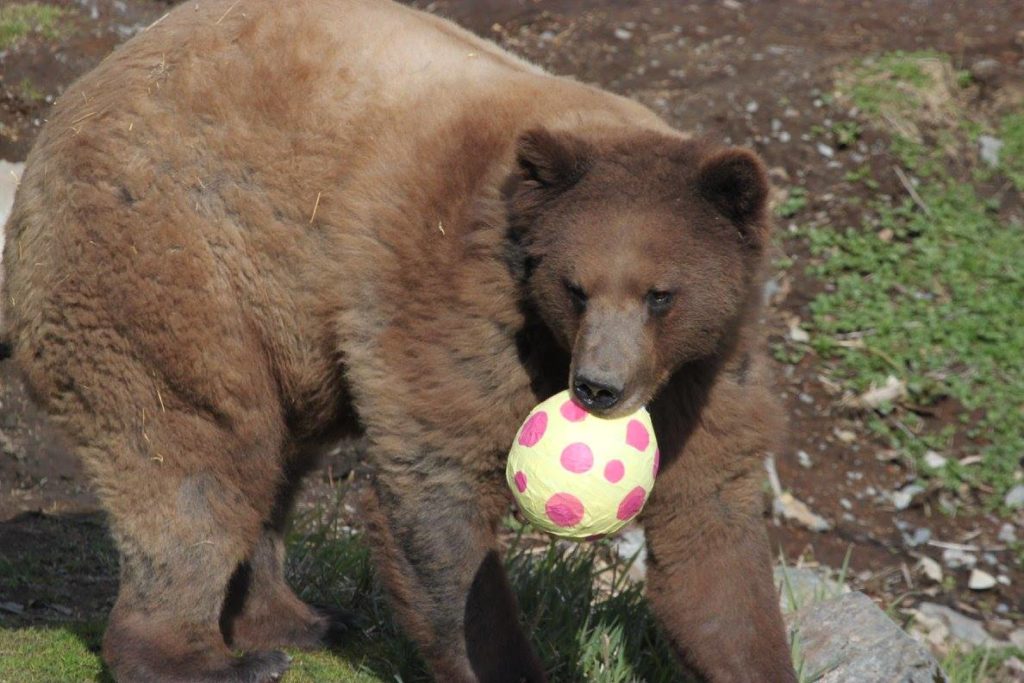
[{"x": 18, "y": 20}]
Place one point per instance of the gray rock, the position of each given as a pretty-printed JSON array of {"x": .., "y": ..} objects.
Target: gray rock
[
  {"x": 986, "y": 69},
  {"x": 850, "y": 639},
  {"x": 989, "y": 149},
  {"x": 954, "y": 558},
  {"x": 1007, "y": 533},
  {"x": 631, "y": 544},
  {"x": 1015, "y": 497},
  {"x": 904, "y": 497},
  {"x": 964, "y": 630}
]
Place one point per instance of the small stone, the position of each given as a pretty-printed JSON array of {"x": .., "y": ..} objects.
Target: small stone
[
  {"x": 623, "y": 34},
  {"x": 989, "y": 149},
  {"x": 752, "y": 107},
  {"x": 845, "y": 504},
  {"x": 845, "y": 435},
  {"x": 1003, "y": 580},
  {"x": 1014, "y": 668},
  {"x": 804, "y": 458},
  {"x": 962, "y": 628},
  {"x": 785, "y": 137},
  {"x": 986, "y": 69},
  {"x": 1017, "y": 638},
  {"x": 825, "y": 151},
  {"x": 12, "y": 607},
  {"x": 934, "y": 460},
  {"x": 799, "y": 334},
  {"x": 905, "y": 496},
  {"x": 886, "y": 234},
  {"x": 1007, "y": 533},
  {"x": 954, "y": 558},
  {"x": 920, "y": 537},
  {"x": 930, "y": 568},
  {"x": 1014, "y": 497},
  {"x": 980, "y": 581}
]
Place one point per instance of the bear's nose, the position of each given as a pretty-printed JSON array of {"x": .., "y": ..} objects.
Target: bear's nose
[{"x": 595, "y": 395}]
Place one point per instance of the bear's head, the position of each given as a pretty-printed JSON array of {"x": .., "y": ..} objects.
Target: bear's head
[{"x": 640, "y": 252}]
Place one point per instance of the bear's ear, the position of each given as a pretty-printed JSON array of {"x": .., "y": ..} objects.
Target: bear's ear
[
  {"x": 734, "y": 181},
  {"x": 551, "y": 160}
]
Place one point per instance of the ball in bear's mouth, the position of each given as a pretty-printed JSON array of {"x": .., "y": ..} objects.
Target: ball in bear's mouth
[{"x": 578, "y": 476}]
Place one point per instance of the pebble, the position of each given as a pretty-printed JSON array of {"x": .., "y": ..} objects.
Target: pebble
[
  {"x": 905, "y": 496},
  {"x": 954, "y": 558},
  {"x": 804, "y": 458},
  {"x": 845, "y": 435},
  {"x": 1015, "y": 497},
  {"x": 1017, "y": 638},
  {"x": 825, "y": 151},
  {"x": 846, "y": 504},
  {"x": 1007, "y": 533},
  {"x": 930, "y": 568},
  {"x": 752, "y": 107},
  {"x": 12, "y": 607},
  {"x": 623, "y": 34},
  {"x": 990, "y": 148},
  {"x": 934, "y": 460},
  {"x": 980, "y": 581},
  {"x": 920, "y": 537},
  {"x": 960, "y": 627},
  {"x": 785, "y": 137},
  {"x": 985, "y": 69}
]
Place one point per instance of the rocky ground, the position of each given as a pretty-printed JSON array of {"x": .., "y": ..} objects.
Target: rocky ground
[{"x": 939, "y": 553}]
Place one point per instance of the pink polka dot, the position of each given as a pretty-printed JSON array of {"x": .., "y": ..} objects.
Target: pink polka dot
[
  {"x": 637, "y": 436},
  {"x": 564, "y": 509},
  {"x": 534, "y": 429},
  {"x": 632, "y": 503},
  {"x": 614, "y": 470},
  {"x": 657, "y": 461},
  {"x": 573, "y": 412},
  {"x": 577, "y": 457},
  {"x": 520, "y": 481}
]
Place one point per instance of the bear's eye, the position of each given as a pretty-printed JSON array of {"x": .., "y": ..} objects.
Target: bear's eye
[
  {"x": 659, "y": 300},
  {"x": 578, "y": 296}
]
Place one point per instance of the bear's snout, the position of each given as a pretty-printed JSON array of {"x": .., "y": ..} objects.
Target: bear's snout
[{"x": 595, "y": 394}]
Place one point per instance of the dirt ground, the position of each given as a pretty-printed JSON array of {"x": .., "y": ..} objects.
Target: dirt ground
[{"x": 750, "y": 73}]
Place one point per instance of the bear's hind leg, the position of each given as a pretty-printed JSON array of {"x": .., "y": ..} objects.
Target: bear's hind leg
[
  {"x": 164, "y": 625},
  {"x": 261, "y": 611},
  {"x": 183, "y": 521}
]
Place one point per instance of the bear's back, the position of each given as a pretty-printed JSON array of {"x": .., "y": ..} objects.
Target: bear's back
[{"x": 240, "y": 169}]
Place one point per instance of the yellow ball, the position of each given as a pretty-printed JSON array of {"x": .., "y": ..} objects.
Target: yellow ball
[{"x": 579, "y": 476}]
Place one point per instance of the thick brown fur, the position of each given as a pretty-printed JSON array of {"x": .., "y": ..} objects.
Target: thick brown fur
[{"x": 260, "y": 226}]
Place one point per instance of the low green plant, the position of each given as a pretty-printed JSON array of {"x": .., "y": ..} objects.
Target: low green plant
[{"x": 18, "y": 20}]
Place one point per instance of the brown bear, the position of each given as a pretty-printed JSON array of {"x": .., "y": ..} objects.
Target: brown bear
[{"x": 261, "y": 226}]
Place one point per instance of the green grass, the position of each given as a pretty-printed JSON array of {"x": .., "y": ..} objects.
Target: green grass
[
  {"x": 18, "y": 20},
  {"x": 977, "y": 666},
  {"x": 48, "y": 654},
  {"x": 1011, "y": 157},
  {"x": 937, "y": 305},
  {"x": 587, "y": 620}
]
